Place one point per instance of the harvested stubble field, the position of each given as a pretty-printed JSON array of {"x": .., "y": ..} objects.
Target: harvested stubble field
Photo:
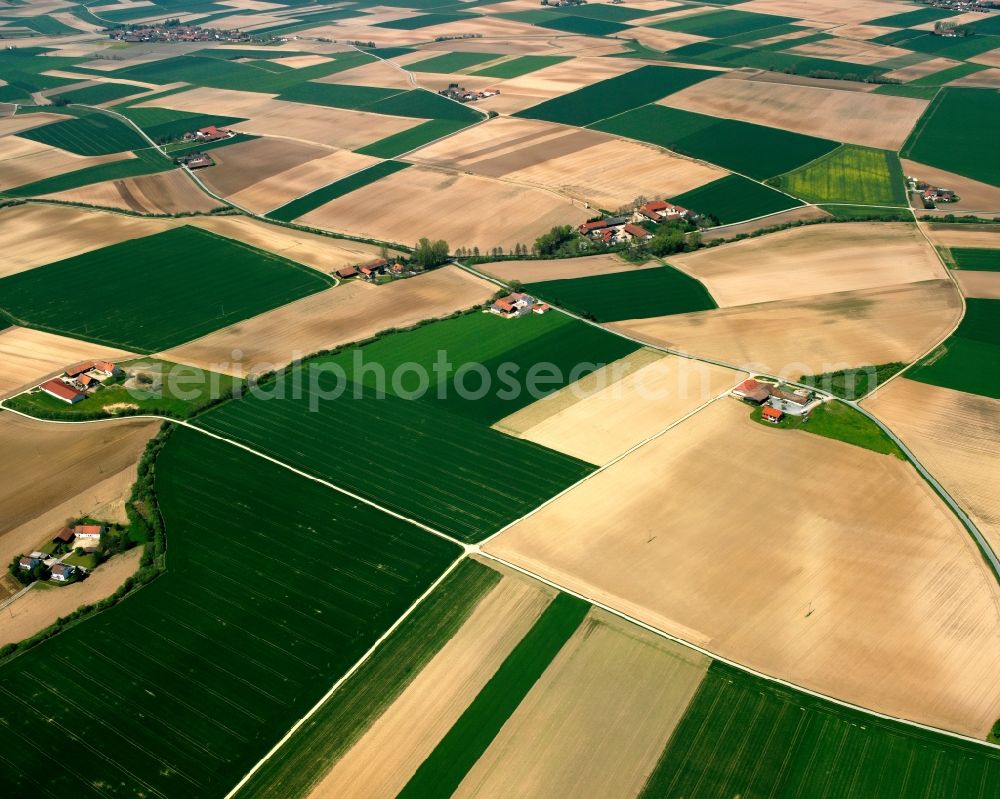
[
  {"x": 253, "y": 679},
  {"x": 963, "y": 235},
  {"x": 842, "y": 11},
  {"x": 163, "y": 193},
  {"x": 386, "y": 756},
  {"x": 775, "y": 574},
  {"x": 352, "y": 312},
  {"x": 241, "y": 166},
  {"x": 464, "y": 210},
  {"x": 561, "y": 268},
  {"x": 28, "y": 356},
  {"x": 48, "y": 466},
  {"x": 609, "y": 412},
  {"x": 190, "y": 283},
  {"x": 980, "y": 285},
  {"x": 620, "y": 689},
  {"x": 875, "y": 120},
  {"x": 813, "y": 260},
  {"x": 23, "y": 161}
]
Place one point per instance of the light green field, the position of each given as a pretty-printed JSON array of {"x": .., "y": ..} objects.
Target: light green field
[{"x": 850, "y": 174}]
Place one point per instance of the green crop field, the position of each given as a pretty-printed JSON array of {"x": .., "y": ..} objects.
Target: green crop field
[
  {"x": 349, "y": 713},
  {"x": 970, "y": 359},
  {"x": 92, "y": 134},
  {"x": 460, "y": 748},
  {"x": 421, "y": 21},
  {"x": 161, "y": 290},
  {"x": 275, "y": 586},
  {"x": 754, "y": 150},
  {"x": 950, "y": 74},
  {"x": 44, "y": 24},
  {"x": 407, "y": 140},
  {"x": 587, "y": 26},
  {"x": 608, "y": 12},
  {"x": 424, "y": 104},
  {"x": 615, "y": 95},
  {"x": 462, "y": 477},
  {"x": 146, "y": 162},
  {"x": 100, "y": 93},
  {"x": 627, "y": 295},
  {"x": 863, "y": 212},
  {"x": 337, "y": 95},
  {"x": 338, "y": 188},
  {"x": 735, "y": 199},
  {"x": 955, "y": 133},
  {"x": 523, "y": 65},
  {"x": 850, "y": 174},
  {"x": 724, "y": 22},
  {"x": 164, "y": 124},
  {"x": 976, "y": 258},
  {"x": 451, "y": 62},
  {"x": 909, "y": 19},
  {"x": 748, "y": 737}
]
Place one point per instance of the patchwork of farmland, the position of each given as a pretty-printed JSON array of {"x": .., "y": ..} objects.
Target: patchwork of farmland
[{"x": 735, "y": 198}]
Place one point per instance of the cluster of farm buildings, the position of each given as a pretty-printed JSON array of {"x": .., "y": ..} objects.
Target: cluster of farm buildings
[
  {"x": 176, "y": 33},
  {"x": 626, "y": 229},
  {"x": 373, "y": 270},
  {"x": 79, "y": 381},
  {"x": 510, "y": 306},
  {"x": 463, "y": 95},
  {"x": 205, "y": 135},
  {"x": 775, "y": 400},
  {"x": 86, "y": 537},
  {"x": 931, "y": 195}
]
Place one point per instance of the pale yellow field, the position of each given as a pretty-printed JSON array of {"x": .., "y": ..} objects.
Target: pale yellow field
[
  {"x": 596, "y": 721},
  {"x": 956, "y": 436},
  {"x": 838, "y": 569},
  {"x": 658, "y": 39},
  {"x": 604, "y": 423},
  {"x": 48, "y": 465},
  {"x": 163, "y": 193},
  {"x": 560, "y": 268},
  {"x": 846, "y": 11},
  {"x": 32, "y": 235},
  {"x": 963, "y": 235},
  {"x": 24, "y": 161},
  {"x": 300, "y": 61},
  {"x": 276, "y": 190},
  {"x": 28, "y": 356},
  {"x": 568, "y": 76},
  {"x": 269, "y": 117},
  {"x": 347, "y": 313},
  {"x": 815, "y": 334},
  {"x": 924, "y": 68},
  {"x": 382, "y": 761},
  {"x": 41, "y": 606},
  {"x": 464, "y": 210},
  {"x": 855, "y": 52},
  {"x": 591, "y": 167},
  {"x": 374, "y": 73},
  {"x": 876, "y": 120},
  {"x": 817, "y": 259}
]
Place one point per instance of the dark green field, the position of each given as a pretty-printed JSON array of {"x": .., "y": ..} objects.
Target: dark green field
[
  {"x": 521, "y": 66},
  {"x": 161, "y": 290},
  {"x": 92, "y": 134},
  {"x": 407, "y": 140},
  {"x": 754, "y": 150},
  {"x": 861, "y": 212},
  {"x": 734, "y": 199},
  {"x": 457, "y": 752},
  {"x": 976, "y": 258},
  {"x": 849, "y": 174},
  {"x": 275, "y": 585},
  {"x": 615, "y": 95},
  {"x": 955, "y": 133},
  {"x": 451, "y": 62},
  {"x": 163, "y": 124},
  {"x": 339, "y": 188},
  {"x": 908, "y": 90},
  {"x": 852, "y": 384},
  {"x": 725, "y": 22},
  {"x": 324, "y": 739},
  {"x": 586, "y": 26},
  {"x": 421, "y": 21},
  {"x": 746, "y": 737},
  {"x": 146, "y": 162},
  {"x": 45, "y": 24},
  {"x": 100, "y": 93},
  {"x": 443, "y": 464},
  {"x": 950, "y": 74},
  {"x": 424, "y": 104},
  {"x": 909, "y": 19},
  {"x": 627, "y": 295}
]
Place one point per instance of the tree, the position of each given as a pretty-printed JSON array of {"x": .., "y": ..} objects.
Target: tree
[
  {"x": 549, "y": 243},
  {"x": 428, "y": 254}
]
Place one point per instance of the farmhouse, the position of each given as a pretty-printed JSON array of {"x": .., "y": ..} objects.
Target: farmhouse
[
  {"x": 101, "y": 370},
  {"x": 90, "y": 532},
  {"x": 62, "y": 391},
  {"x": 752, "y": 391},
  {"x": 64, "y": 536},
  {"x": 772, "y": 415},
  {"x": 195, "y": 160},
  {"x": 463, "y": 95},
  {"x": 513, "y": 305},
  {"x": 372, "y": 269},
  {"x": 63, "y": 572},
  {"x": 630, "y": 232},
  {"x": 29, "y": 562},
  {"x": 211, "y": 133},
  {"x": 587, "y": 228},
  {"x": 346, "y": 272},
  {"x": 795, "y": 403},
  {"x": 660, "y": 211}
]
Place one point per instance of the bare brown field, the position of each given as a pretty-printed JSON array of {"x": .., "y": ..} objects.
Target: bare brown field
[
  {"x": 240, "y": 166},
  {"x": 561, "y": 268},
  {"x": 990, "y": 58},
  {"x": 962, "y": 235},
  {"x": 568, "y": 76},
  {"x": 815, "y": 334},
  {"x": 876, "y": 120},
  {"x": 375, "y": 73},
  {"x": 28, "y": 356},
  {"x": 586, "y": 165},
  {"x": 390, "y": 751},
  {"x": 41, "y": 606},
  {"x": 269, "y": 117},
  {"x": 163, "y": 193},
  {"x": 850, "y": 50},
  {"x": 605, "y": 423},
  {"x": 464, "y": 210},
  {"x": 816, "y": 259},
  {"x": 841, "y": 571},
  {"x": 921, "y": 70},
  {"x": 802, "y": 213},
  {"x": 984, "y": 285},
  {"x": 658, "y": 39},
  {"x": 347, "y": 313},
  {"x": 24, "y": 161},
  {"x": 956, "y": 436},
  {"x": 621, "y": 691},
  {"x": 987, "y": 79},
  {"x": 16, "y": 124},
  {"x": 32, "y": 235},
  {"x": 764, "y": 76},
  {"x": 861, "y": 31},
  {"x": 276, "y": 190},
  {"x": 844, "y": 11},
  {"x": 47, "y": 465}
]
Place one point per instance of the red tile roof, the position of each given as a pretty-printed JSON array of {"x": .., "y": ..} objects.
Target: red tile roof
[
  {"x": 88, "y": 528},
  {"x": 65, "y": 534},
  {"x": 655, "y": 205},
  {"x": 635, "y": 230},
  {"x": 771, "y": 413},
  {"x": 587, "y": 227},
  {"x": 60, "y": 389}
]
